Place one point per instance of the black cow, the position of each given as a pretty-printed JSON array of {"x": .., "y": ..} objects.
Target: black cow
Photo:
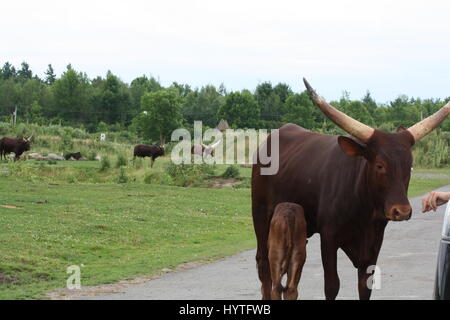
[
  {"x": 75, "y": 155},
  {"x": 152, "y": 151},
  {"x": 16, "y": 145}
]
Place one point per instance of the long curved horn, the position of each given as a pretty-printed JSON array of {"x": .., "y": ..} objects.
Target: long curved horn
[
  {"x": 424, "y": 127},
  {"x": 355, "y": 128},
  {"x": 30, "y": 137},
  {"x": 215, "y": 144}
]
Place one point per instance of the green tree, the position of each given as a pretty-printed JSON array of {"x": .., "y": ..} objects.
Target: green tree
[
  {"x": 241, "y": 110},
  {"x": 71, "y": 97},
  {"x": 369, "y": 102},
  {"x": 142, "y": 85},
  {"x": 268, "y": 101},
  {"x": 161, "y": 115},
  {"x": 183, "y": 89},
  {"x": 35, "y": 114},
  {"x": 202, "y": 105},
  {"x": 9, "y": 95},
  {"x": 300, "y": 110},
  {"x": 24, "y": 73},
  {"x": 50, "y": 75},
  {"x": 8, "y": 71},
  {"x": 358, "y": 111},
  {"x": 283, "y": 91},
  {"x": 115, "y": 100}
]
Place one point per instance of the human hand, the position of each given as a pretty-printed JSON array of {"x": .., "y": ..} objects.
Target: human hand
[{"x": 434, "y": 199}]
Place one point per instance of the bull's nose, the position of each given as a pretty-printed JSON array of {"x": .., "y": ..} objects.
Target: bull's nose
[{"x": 400, "y": 212}]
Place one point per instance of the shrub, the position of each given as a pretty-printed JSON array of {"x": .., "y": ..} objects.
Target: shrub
[
  {"x": 72, "y": 177},
  {"x": 432, "y": 151},
  {"x": 105, "y": 164},
  {"x": 231, "y": 172},
  {"x": 137, "y": 163},
  {"x": 91, "y": 155},
  {"x": 121, "y": 161},
  {"x": 245, "y": 184},
  {"x": 66, "y": 142},
  {"x": 187, "y": 174},
  {"x": 123, "y": 178},
  {"x": 158, "y": 178}
]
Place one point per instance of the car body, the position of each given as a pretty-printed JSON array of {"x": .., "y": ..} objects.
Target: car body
[{"x": 442, "y": 280}]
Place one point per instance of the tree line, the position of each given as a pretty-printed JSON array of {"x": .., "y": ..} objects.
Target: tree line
[{"x": 152, "y": 111}]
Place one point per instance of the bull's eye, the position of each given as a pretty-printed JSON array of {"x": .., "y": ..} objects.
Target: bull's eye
[{"x": 380, "y": 168}]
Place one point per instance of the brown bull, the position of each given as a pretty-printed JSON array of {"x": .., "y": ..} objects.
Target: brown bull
[
  {"x": 16, "y": 145},
  {"x": 152, "y": 151},
  {"x": 349, "y": 188}
]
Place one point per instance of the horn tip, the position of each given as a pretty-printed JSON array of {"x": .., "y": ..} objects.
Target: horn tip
[{"x": 311, "y": 92}]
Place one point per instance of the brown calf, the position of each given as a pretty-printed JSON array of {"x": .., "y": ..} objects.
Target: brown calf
[{"x": 287, "y": 249}]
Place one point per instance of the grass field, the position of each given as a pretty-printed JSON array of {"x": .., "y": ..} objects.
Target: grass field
[{"x": 117, "y": 231}]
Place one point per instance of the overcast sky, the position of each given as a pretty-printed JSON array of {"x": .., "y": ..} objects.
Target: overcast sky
[{"x": 389, "y": 47}]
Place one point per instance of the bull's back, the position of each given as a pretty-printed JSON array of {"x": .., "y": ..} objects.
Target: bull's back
[
  {"x": 306, "y": 161},
  {"x": 7, "y": 144},
  {"x": 142, "y": 150}
]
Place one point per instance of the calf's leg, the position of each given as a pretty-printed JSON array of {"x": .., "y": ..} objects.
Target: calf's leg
[
  {"x": 276, "y": 260},
  {"x": 293, "y": 276}
]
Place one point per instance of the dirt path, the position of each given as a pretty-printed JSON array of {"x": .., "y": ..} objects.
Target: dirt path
[{"x": 407, "y": 262}]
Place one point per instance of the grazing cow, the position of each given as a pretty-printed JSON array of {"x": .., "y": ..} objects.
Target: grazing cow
[
  {"x": 204, "y": 149},
  {"x": 18, "y": 146},
  {"x": 349, "y": 188},
  {"x": 75, "y": 155},
  {"x": 144, "y": 150},
  {"x": 287, "y": 249}
]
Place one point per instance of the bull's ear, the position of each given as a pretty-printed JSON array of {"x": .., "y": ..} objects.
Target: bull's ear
[{"x": 350, "y": 146}]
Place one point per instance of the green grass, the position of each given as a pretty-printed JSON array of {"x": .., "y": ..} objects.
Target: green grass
[
  {"x": 115, "y": 231},
  {"x": 419, "y": 186},
  {"x": 433, "y": 170}
]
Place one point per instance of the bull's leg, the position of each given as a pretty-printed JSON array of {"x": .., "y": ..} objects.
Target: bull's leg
[
  {"x": 264, "y": 271},
  {"x": 364, "y": 288},
  {"x": 261, "y": 223},
  {"x": 365, "y": 272},
  {"x": 329, "y": 262}
]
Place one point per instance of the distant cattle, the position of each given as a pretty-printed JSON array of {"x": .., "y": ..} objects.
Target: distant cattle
[
  {"x": 204, "y": 150},
  {"x": 75, "y": 155},
  {"x": 287, "y": 249},
  {"x": 16, "y": 145},
  {"x": 152, "y": 151}
]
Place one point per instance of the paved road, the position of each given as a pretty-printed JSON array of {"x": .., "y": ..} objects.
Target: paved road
[{"x": 407, "y": 262}]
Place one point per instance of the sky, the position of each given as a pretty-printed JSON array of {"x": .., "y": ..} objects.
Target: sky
[{"x": 386, "y": 47}]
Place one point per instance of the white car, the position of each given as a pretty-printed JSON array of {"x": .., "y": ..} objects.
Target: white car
[{"x": 442, "y": 280}]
